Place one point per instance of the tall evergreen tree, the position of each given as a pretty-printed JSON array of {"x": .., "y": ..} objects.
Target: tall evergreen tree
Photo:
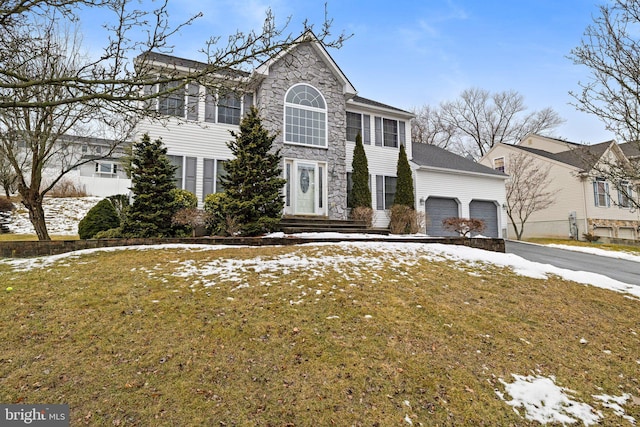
[
  {"x": 253, "y": 181},
  {"x": 152, "y": 178},
  {"x": 360, "y": 191},
  {"x": 404, "y": 187}
]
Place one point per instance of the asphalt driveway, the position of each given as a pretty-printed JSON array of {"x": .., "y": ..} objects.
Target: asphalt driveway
[{"x": 618, "y": 269}]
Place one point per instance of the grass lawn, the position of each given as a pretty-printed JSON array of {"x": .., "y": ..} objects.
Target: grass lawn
[{"x": 312, "y": 335}]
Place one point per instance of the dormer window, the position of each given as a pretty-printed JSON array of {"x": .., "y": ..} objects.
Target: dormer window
[{"x": 305, "y": 116}]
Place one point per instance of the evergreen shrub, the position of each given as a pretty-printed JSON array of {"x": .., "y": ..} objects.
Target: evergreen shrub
[{"x": 103, "y": 216}]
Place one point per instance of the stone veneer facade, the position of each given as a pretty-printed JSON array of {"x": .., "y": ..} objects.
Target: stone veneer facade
[
  {"x": 303, "y": 65},
  {"x": 614, "y": 225}
]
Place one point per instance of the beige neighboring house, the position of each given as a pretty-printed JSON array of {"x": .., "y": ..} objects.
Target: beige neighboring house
[{"x": 585, "y": 202}]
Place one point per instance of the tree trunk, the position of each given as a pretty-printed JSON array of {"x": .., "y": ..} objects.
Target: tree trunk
[
  {"x": 518, "y": 231},
  {"x": 32, "y": 200}
]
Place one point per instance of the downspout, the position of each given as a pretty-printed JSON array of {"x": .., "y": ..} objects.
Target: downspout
[{"x": 584, "y": 205}]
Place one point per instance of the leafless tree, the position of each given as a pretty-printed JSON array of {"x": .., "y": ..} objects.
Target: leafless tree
[
  {"x": 8, "y": 177},
  {"x": 50, "y": 91},
  {"x": 610, "y": 49},
  {"x": 527, "y": 190},
  {"x": 428, "y": 128},
  {"x": 478, "y": 119}
]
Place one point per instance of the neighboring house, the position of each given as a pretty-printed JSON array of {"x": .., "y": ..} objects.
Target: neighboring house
[
  {"x": 100, "y": 177},
  {"x": 585, "y": 202},
  {"x": 448, "y": 185}
]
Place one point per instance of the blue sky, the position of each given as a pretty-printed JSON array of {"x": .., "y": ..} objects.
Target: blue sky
[{"x": 408, "y": 53}]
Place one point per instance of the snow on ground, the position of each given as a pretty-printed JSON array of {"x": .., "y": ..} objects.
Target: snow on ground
[
  {"x": 533, "y": 397},
  {"x": 62, "y": 214},
  {"x": 600, "y": 252},
  {"x": 545, "y": 402}
]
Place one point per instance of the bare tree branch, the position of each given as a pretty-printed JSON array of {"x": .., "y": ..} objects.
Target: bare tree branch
[
  {"x": 474, "y": 122},
  {"x": 527, "y": 190},
  {"x": 50, "y": 91}
]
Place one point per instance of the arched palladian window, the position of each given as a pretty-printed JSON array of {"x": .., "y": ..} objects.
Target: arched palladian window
[{"x": 305, "y": 116}]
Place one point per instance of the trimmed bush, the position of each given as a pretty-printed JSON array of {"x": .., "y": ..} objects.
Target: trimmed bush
[
  {"x": 193, "y": 218},
  {"x": 184, "y": 199},
  {"x": 101, "y": 217},
  {"x": 219, "y": 221},
  {"x": 464, "y": 226},
  {"x": 405, "y": 220},
  {"x": 112, "y": 233},
  {"x": 363, "y": 213}
]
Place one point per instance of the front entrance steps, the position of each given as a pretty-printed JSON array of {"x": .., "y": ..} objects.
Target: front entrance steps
[{"x": 319, "y": 224}]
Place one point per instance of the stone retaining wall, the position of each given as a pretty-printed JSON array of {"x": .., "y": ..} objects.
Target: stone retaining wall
[{"x": 40, "y": 248}]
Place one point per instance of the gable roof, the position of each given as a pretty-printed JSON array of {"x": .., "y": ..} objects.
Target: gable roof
[
  {"x": 379, "y": 105},
  {"x": 583, "y": 157},
  {"x": 431, "y": 156},
  {"x": 308, "y": 37},
  {"x": 630, "y": 149}
]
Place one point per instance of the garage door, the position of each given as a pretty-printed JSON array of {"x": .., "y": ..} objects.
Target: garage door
[
  {"x": 488, "y": 212},
  {"x": 437, "y": 209},
  {"x": 626, "y": 233},
  {"x": 603, "y": 231}
]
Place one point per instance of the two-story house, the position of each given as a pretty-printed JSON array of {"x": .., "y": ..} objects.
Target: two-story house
[
  {"x": 584, "y": 200},
  {"x": 305, "y": 99}
]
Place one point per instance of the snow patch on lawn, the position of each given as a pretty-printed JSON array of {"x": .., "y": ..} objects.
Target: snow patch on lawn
[
  {"x": 543, "y": 401},
  {"x": 376, "y": 255}
]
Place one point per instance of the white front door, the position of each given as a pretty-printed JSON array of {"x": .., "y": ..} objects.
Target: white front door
[{"x": 305, "y": 188}]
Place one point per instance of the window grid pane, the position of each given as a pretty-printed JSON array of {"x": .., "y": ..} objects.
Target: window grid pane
[
  {"x": 389, "y": 191},
  {"x": 354, "y": 125},
  {"x": 305, "y": 127},
  {"x": 390, "y": 129},
  {"x": 172, "y": 104},
  {"x": 229, "y": 109}
]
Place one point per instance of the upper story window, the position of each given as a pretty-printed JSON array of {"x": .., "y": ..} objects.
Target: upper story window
[
  {"x": 106, "y": 168},
  {"x": 601, "y": 192},
  {"x": 229, "y": 108},
  {"x": 226, "y": 107},
  {"x": 305, "y": 117},
  {"x": 389, "y": 132},
  {"x": 172, "y": 104},
  {"x": 498, "y": 164},
  {"x": 625, "y": 194},
  {"x": 357, "y": 122}
]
